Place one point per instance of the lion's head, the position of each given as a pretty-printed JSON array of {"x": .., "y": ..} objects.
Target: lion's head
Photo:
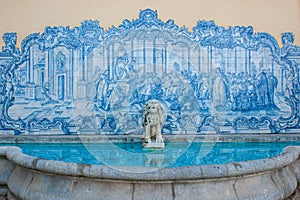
[{"x": 153, "y": 111}]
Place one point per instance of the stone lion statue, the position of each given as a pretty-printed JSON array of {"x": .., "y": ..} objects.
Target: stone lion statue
[{"x": 153, "y": 119}]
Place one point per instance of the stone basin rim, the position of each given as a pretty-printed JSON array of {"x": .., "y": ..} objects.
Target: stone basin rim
[
  {"x": 120, "y": 173},
  {"x": 92, "y": 138}
]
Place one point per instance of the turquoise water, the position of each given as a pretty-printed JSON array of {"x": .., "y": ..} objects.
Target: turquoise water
[{"x": 173, "y": 155}]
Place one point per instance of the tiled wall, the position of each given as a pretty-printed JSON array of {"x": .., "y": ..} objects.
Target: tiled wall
[{"x": 90, "y": 80}]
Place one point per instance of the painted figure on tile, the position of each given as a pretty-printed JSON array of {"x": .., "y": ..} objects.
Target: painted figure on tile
[
  {"x": 272, "y": 85},
  {"x": 219, "y": 90},
  {"x": 103, "y": 92},
  {"x": 60, "y": 61},
  {"x": 262, "y": 88},
  {"x": 10, "y": 40}
]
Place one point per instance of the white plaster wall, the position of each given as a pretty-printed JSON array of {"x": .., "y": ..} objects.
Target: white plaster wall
[{"x": 272, "y": 16}]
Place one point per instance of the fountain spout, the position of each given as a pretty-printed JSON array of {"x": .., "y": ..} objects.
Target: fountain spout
[{"x": 153, "y": 119}]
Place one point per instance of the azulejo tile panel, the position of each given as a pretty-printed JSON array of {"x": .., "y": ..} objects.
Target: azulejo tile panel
[{"x": 90, "y": 80}]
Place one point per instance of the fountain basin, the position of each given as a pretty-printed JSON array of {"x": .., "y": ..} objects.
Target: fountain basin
[{"x": 28, "y": 177}]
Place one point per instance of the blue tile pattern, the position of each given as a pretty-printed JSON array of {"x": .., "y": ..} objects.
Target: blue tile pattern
[{"x": 90, "y": 80}]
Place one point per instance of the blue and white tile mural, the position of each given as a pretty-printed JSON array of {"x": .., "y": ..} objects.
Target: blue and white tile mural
[{"x": 90, "y": 80}]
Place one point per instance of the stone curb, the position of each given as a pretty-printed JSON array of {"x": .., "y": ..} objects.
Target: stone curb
[{"x": 15, "y": 155}]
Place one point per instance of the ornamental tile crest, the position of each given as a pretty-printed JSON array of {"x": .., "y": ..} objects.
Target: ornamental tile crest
[{"x": 90, "y": 80}]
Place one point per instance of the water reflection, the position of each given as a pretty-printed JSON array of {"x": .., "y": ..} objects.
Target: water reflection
[{"x": 174, "y": 154}]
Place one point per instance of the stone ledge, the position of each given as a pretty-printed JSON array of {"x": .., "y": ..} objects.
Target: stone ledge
[
  {"x": 35, "y": 178},
  {"x": 41, "y": 138},
  {"x": 15, "y": 155},
  {"x": 26, "y": 183}
]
